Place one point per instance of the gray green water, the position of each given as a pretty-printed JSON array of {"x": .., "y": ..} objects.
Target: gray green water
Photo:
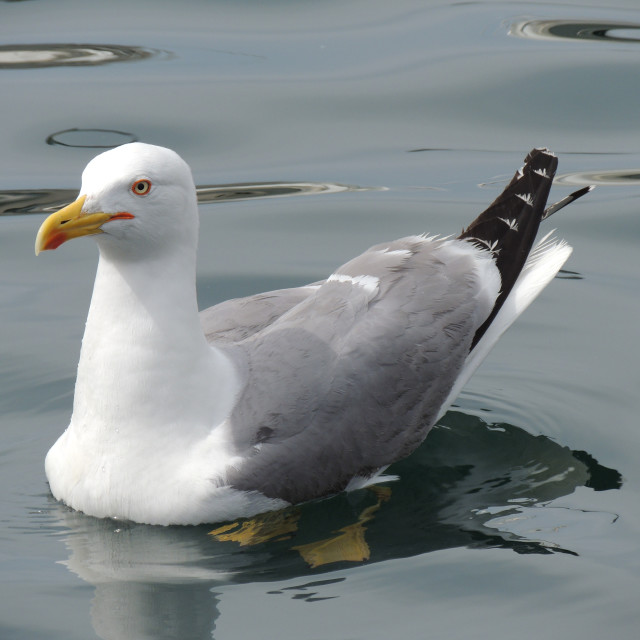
[{"x": 315, "y": 130}]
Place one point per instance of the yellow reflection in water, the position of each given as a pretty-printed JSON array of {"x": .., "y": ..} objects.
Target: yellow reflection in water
[{"x": 349, "y": 545}]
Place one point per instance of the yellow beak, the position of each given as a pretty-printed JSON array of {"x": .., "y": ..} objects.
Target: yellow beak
[{"x": 70, "y": 223}]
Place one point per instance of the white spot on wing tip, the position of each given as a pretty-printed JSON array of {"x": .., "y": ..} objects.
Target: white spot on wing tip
[
  {"x": 542, "y": 172},
  {"x": 527, "y": 198},
  {"x": 492, "y": 246},
  {"x": 512, "y": 223}
]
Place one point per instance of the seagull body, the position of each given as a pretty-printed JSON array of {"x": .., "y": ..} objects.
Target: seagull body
[{"x": 182, "y": 417}]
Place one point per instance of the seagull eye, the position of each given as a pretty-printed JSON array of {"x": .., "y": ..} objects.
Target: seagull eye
[{"x": 141, "y": 187}]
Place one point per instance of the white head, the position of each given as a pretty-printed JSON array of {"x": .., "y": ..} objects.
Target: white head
[{"x": 138, "y": 199}]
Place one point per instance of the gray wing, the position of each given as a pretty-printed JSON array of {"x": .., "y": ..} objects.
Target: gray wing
[
  {"x": 352, "y": 377},
  {"x": 237, "y": 319}
]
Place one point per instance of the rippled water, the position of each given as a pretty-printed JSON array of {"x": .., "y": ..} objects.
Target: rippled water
[
  {"x": 520, "y": 515},
  {"x": 39, "y": 56}
]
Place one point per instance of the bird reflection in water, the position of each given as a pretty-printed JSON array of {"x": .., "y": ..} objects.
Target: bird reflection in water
[{"x": 348, "y": 544}]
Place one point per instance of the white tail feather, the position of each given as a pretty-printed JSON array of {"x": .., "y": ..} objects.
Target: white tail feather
[{"x": 543, "y": 263}]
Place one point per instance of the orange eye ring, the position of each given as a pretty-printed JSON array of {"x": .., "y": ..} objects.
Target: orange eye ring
[{"x": 141, "y": 187}]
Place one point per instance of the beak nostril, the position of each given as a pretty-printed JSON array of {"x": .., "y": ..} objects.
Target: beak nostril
[{"x": 63, "y": 222}]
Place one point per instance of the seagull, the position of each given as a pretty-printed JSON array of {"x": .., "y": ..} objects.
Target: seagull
[{"x": 258, "y": 403}]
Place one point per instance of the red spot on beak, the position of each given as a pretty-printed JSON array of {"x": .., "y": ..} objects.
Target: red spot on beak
[
  {"x": 55, "y": 241},
  {"x": 122, "y": 215}
]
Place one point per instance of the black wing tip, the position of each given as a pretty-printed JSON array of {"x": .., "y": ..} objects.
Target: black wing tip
[
  {"x": 508, "y": 227},
  {"x": 541, "y": 153},
  {"x": 525, "y": 196},
  {"x": 545, "y": 150},
  {"x": 572, "y": 197}
]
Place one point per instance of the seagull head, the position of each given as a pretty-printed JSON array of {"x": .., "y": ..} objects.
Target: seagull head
[{"x": 137, "y": 199}]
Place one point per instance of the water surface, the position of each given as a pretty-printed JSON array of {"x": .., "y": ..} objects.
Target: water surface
[{"x": 520, "y": 514}]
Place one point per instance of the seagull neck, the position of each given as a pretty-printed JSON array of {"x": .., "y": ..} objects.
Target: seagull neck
[
  {"x": 148, "y": 300},
  {"x": 144, "y": 357}
]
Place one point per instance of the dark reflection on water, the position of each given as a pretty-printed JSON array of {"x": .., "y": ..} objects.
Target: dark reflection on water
[
  {"x": 19, "y": 202},
  {"x": 565, "y": 274},
  {"x": 22, "y": 202},
  {"x": 450, "y": 492},
  {"x": 245, "y": 191},
  {"x": 91, "y": 138},
  {"x": 602, "y": 30},
  {"x": 612, "y": 177},
  {"x": 37, "y": 56}
]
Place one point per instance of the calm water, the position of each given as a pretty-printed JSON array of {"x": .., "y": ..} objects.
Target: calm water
[{"x": 315, "y": 130}]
